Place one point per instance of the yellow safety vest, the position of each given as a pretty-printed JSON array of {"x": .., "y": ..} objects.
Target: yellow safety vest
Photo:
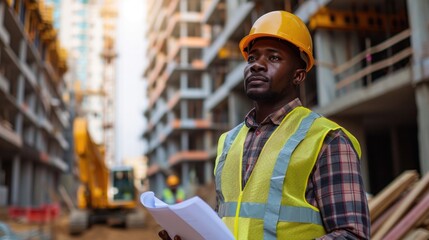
[{"x": 269, "y": 207}]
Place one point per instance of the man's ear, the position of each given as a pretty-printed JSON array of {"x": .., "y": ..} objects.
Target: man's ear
[{"x": 299, "y": 76}]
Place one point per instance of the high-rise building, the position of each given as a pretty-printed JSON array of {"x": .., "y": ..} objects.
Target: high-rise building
[
  {"x": 87, "y": 30},
  {"x": 33, "y": 115},
  {"x": 178, "y": 130}
]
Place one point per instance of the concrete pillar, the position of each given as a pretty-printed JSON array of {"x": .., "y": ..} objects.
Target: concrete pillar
[
  {"x": 16, "y": 176},
  {"x": 186, "y": 181},
  {"x": 325, "y": 78},
  {"x": 41, "y": 184},
  {"x": 208, "y": 172},
  {"x": 422, "y": 100},
  {"x": 161, "y": 156},
  {"x": 183, "y": 5},
  {"x": 239, "y": 106},
  {"x": 20, "y": 92},
  {"x": 231, "y": 7},
  {"x": 159, "y": 184},
  {"x": 207, "y": 86},
  {"x": 22, "y": 50},
  {"x": 183, "y": 103},
  {"x": 331, "y": 49},
  {"x": 26, "y": 184},
  {"x": 19, "y": 124},
  {"x": 183, "y": 110},
  {"x": 184, "y": 141},
  {"x": 419, "y": 22},
  {"x": 184, "y": 57},
  {"x": 2, "y": 9}
]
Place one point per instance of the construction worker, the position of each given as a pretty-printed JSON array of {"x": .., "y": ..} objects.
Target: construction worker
[
  {"x": 173, "y": 193},
  {"x": 287, "y": 172}
]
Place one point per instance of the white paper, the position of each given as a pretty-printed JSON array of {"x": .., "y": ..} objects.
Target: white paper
[{"x": 191, "y": 219}]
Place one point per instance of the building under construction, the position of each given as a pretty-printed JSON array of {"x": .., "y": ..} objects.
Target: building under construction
[
  {"x": 371, "y": 76},
  {"x": 33, "y": 115}
]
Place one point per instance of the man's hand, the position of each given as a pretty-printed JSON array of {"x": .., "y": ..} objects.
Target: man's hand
[{"x": 164, "y": 236}]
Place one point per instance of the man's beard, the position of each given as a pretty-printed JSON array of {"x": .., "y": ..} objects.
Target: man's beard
[{"x": 263, "y": 97}]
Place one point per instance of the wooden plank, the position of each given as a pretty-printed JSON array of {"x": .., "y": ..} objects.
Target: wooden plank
[
  {"x": 377, "y": 223},
  {"x": 410, "y": 199},
  {"x": 417, "y": 234},
  {"x": 391, "y": 193},
  {"x": 417, "y": 214}
]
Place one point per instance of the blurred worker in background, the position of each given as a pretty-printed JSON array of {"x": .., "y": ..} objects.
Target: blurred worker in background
[
  {"x": 123, "y": 186},
  {"x": 173, "y": 193},
  {"x": 287, "y": 172}
]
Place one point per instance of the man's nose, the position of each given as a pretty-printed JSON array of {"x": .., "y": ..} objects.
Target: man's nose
[{"x": 258, "y": 65}]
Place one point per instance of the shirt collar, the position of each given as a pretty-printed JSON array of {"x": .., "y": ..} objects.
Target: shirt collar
[{"x": 274, "y": 118}]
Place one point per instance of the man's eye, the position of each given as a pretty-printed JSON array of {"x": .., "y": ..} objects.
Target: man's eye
[
  {"x": 250, "y": 58},
  {"x": 274, "y": 58}
]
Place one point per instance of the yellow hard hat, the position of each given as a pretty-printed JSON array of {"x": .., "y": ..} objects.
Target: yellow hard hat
[
  {"x": 282, "y": 25},
  {"x": 172, "y": 180}
]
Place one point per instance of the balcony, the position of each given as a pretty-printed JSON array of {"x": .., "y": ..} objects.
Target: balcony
[
  {"x": 174, "y": 69},
  {"x": 172, "y": 7},
  {"x": 158, "y": 113},
  {"x": 45, "y": 124},
  {"x": 193, "y": 19},
  {"x": 160, "y": 18},
  {"x": 190, "y": 124},
  {"x": 174, "y": 45},
  {"x": 8, "y": 135},
  {"x": 188, "y": 156},
  {"x": 29, "y": 113},
  {"x": 153, "y": 169},
  {"x": 177, "y": 125},
  {"x": 159, "y": 65},
  {"x": 156, "y": 93},
  {"x": 392, "y": 56},
  {"x": 4, "y": 84},
  {"x": 58, "y": 163},
  {"x": 156, "y": 8},
  {"x": 376, "y": 81},
  {"x": 61, "y": 140}
]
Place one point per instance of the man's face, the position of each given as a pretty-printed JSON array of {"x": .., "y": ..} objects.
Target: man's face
[{"x": 270, "y": 71}]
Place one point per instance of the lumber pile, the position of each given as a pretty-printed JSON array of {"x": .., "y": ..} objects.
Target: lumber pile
[{"x": 401, "y": 210}]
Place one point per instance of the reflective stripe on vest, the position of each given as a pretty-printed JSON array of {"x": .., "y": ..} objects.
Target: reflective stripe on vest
[
  {"x": 227, "y": 144},
  {"x": 271, "y": 216},
  {"x": 257, "y": 210}
]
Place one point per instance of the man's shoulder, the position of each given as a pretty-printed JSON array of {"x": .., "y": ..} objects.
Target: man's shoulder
[
  {"x": 235, "y": 129},
  {"x": 331, "y": 128},
  {"x": 325, "y": 122}
]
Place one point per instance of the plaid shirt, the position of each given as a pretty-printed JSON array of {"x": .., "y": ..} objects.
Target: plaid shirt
[{"x": 335, "y": 186}]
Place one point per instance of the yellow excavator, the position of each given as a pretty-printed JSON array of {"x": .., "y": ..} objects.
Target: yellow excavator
[{"x": 104, "y": 195}]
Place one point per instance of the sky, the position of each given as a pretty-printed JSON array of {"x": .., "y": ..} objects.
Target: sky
[{"x": 130, "y": 95}]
